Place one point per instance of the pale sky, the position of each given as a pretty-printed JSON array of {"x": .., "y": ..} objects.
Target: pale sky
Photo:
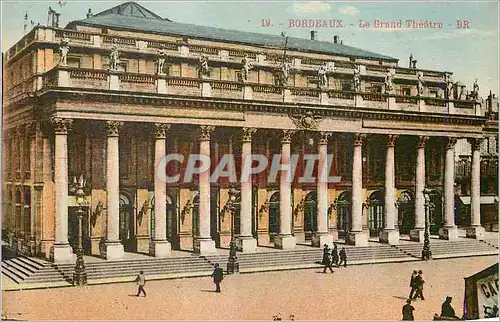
[{"x": 468, "y": 53}]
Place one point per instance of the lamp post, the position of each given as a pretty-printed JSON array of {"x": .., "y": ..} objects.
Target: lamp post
[
  {"x": 80, "y": 276},
  {"x": 232, "y": 264},
  {"x": 426, "y": 251}
]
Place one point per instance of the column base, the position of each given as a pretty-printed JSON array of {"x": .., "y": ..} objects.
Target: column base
[
  {"x": 205, "y": 247},
  {"x": 320, "y": 239},
  {"x": 448, "y": 233},
  {"x": 358, "y": 238},
  {"x": 476, "y": 232},
  {"x": 284, "y": 242},
  {"x": 390, "y": 237},
  {"x": 160, "y": 248},
  {"x": 114, "y": 250},
  {"x": 417, "y": 235},
  {"x": 62, "y": 253},
  {"x": 246, "y": 244}
]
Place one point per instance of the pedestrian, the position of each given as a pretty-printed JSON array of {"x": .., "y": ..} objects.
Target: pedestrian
[
  {"x": 419, "y": 284},
  {"x": 343, "y": 257},
  {"x": 447, "y": 310},
  {"x": 412, "y": 284},
  {"x": 326, "y": 259},
  {"x": 408, "y": 311},
  {"x": 335, "y": 255},
  {"x": 141, "y": 281},
  {"x": 218, "y": 276}
]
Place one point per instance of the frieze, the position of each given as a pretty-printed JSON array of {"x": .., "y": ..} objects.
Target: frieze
[{"x": 325, "y": 111}]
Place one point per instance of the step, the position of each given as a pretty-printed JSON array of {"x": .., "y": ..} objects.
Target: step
[
  {"x": 32, "y": 263},
  {"x": 23, "y": 265},
  {"x": 13, "y": 273}
]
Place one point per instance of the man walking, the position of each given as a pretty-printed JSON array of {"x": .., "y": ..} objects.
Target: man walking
[
  {"x": 335, "y": 255},
  {"x": 412, "y": 284},
  {"x": 343, "y": 257},
  {"x": 408, "y": 311},
  {"x": 326, "y": 259},
  {"x": 218, "y": 276},
  {"x": 419, "y": 284},
  {"x": 141, "y": 281}
]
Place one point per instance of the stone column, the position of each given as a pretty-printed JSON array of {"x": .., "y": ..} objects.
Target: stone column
[
  {"x": 61, "y": 250},
  {"x": 204, "y": 243},
  {"x": 417, "y": 234},
  {"x": 475, "y": 230},
  {"x": 357, "y": 236},
  {"x": 159, "y": 246},
  {"x": 285, "y": 240},
  {"x": 246, "y": 243},
  {"x": 390, "y": 235},
  {"x": 449, "y": 230},
  {"x": 114, "y": 248},
  {"x": 322, "y": 237}
]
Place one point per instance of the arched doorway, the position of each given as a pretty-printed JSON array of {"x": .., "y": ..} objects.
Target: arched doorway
[
  {"x": 376, "y": 213},
  {"x": 196, "y": 216},
  {"x": 435, "y": 211},
  {"x": 343, "y": 207},
  {"x": 171, "y": 218},
  {"x": 310, "y": 215},
  {"x": 406, "y": 212},
  {"x": 274, "y": 210},
  {"x": 127, "y": 226}
]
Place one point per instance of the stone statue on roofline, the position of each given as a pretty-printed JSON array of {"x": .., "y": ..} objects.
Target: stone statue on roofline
[
  {"x": 389, "y": 82},
  {"x": 449, "y": 94},
  {"x": 420, "y": 85},
  {"x": 284, "y": 73},
  {"x": 114, "y": 58},
  {"x": 64, "y": 49},
  {"x": 322, "y": 78},
  {"x": 357, "y": 79},
  {"x": 475, "y": 91},
  {"x": 247, "y": 64},
  {"x": 204, "y": 70},
  {"x": 162, "y": 57}
]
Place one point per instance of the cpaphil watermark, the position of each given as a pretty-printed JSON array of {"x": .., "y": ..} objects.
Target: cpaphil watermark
[{"x": 176, "y": 168}]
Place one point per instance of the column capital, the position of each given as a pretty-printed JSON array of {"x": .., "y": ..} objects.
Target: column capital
[
  {"x": 205, "y": 132},
  {"x": 391, "y": 140},
  {"x": 450, "y": 143},
  {"x": 31, "y": 129},
  {"x": 421, "y": 141},
  {"x": 475, "y": 143},
  {"x": 113, "y": 127},
  {"x": 248, "y": 132},
  {"x": 358, "y": 138},
  {"x": 323, "y": 137},
  {"x": 160, "y": 130},
  {"x": 61, "y": 125},
  {"x": 287, "y": 136}
]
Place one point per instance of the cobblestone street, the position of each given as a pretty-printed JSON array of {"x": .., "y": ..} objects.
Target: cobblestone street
[{"x": 358, "y": 292}]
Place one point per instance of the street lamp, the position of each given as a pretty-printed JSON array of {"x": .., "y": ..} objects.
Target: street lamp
[
  {"x": 232, "y": 264},
  {"x": 426, "y": 251},
  {"x": 80, "y": 276}
]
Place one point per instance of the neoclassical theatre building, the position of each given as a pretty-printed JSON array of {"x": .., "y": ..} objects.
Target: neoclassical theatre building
[{"x": 97, "y": 104}]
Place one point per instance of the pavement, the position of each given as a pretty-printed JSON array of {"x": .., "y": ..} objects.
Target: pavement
[{"x": 358, "y": 292}]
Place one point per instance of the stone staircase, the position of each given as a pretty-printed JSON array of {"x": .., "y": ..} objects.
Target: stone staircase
[
  {"x": 448, "y": 249},
  {"x": 287, "y": 259}
]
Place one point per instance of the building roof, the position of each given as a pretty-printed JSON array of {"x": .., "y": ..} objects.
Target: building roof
[{"x": 132, "y": 16}]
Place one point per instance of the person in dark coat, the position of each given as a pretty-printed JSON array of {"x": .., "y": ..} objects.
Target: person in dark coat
[
  {"x": 218, "y": 276},
  {"x": 335, "y": 255},
  {"x": 326, "y": 259},
  {"x": 419, "y": 284},
  {"x": 447, "y": 310},
  {"x": 343, "y": 257},
  {"x": 412, "y": 284},
  {"x": 141, "y": 281},
  {"x": 408, "y": 311}
]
